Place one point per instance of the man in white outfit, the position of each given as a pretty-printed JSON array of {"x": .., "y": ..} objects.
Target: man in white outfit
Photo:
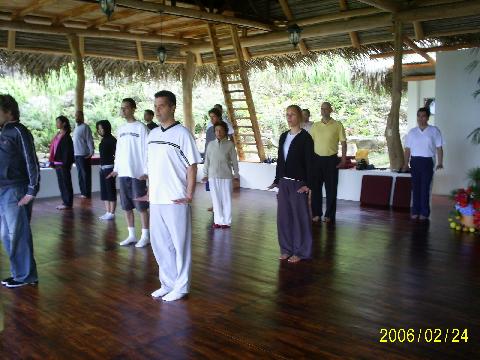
[
  {"x": 130, "y": 168},
  {"x": 172, "y": 158}
]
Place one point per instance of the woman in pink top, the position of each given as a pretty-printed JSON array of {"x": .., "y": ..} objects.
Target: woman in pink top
[{"x": 61, "y": 159}]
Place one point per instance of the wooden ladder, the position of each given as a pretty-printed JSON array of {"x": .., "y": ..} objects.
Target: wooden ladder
[{"x": 238, "y": 97}]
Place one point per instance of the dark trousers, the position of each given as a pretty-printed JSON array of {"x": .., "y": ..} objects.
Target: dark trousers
[
  {"x": 422, "y": 175},
  {"x": 325, "y": 172},
  {"x": 64, "y": 178},
  {"x": 293, "y": 220},
  {"x": 84, "y": 170}
]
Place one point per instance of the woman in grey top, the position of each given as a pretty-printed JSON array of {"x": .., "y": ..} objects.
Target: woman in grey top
[{"x": 220, "y": 160}]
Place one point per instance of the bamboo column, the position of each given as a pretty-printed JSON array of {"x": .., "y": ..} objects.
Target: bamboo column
[
  {"x": 392, "y": 131},
  {"x": 187, "y": 87},
  {"x": 74, "y": 43}
]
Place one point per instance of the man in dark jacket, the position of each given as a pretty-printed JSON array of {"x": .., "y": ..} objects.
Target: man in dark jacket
[{"x": 19, "y": 183}]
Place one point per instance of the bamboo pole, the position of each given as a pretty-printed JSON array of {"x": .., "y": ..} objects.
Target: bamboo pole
[
  {"x": 187, "y": 87},
  {"x": 80, "y": 70},
  {"x": 392, "y": 131}
]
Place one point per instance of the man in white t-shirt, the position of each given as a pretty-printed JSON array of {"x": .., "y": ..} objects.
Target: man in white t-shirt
[
  {"x": 422, "y": 144},
  {"x": 130, "y": 168},
  {"x": 172, "y": 159}
]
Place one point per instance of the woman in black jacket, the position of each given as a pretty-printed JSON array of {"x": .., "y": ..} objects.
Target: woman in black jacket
[
  {"x": 61, "y": 159},
  {"x": 108, "y": 188},
  {"x": 293, "y": 179}
]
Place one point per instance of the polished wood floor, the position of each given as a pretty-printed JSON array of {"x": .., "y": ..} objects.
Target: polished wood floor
[{"x": 374, "y": 270}]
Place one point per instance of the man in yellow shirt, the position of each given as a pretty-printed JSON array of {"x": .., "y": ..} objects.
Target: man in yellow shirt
[{"x": 326, "y": 135}]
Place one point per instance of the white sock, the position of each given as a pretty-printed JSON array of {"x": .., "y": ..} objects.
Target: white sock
[
  {"x": 145, "y": 233},
  {"x": 131, "y": 231}
]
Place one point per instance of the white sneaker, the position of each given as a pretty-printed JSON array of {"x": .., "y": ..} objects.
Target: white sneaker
[
  {"x": 103, "y": 216},
  {"x": 173, "y": 296},
  {"x": 161, "y": 292},
  {"x": 128, "y": 241},
  {"x": 144, "y": 241},
  {"x": 108, "y": 216}
]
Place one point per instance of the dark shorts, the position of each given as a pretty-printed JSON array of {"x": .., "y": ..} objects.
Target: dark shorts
[
  {"x": 130, "y": 189},
  {"x": 108, "y": 187}
]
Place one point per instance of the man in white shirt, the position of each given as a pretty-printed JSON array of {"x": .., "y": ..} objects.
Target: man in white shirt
[
  {"x": 130, "y": 168},
  {"x": 83, "y": 151},
  {"x": 172, "y": 159},
  {"x": 422, "y": 143}
]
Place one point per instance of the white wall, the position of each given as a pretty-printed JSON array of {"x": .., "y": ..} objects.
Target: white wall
[
  {"x": 418, "y": 91},
  {"x": 458, "y": 113}
]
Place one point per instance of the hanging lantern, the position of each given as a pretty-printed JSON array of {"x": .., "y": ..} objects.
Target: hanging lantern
[
  {"x": 162, "y": 54},
  {"x": 294, "y": 34},
  {"x": 108, "y": 7}
]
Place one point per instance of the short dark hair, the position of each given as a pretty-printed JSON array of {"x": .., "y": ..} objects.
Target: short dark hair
[
  {"x": 218, "y": 106},
  {"x": 65, "y": 122},
  {"x": 425, "y": 110},
  {"x": 307, "y": 111},
  {"x": 148, "y": 111},
  {"x": 9, "y": 104},
  {"x": 105, "y": 124},
  {"x": 172, "y": 100},
  {"x": 132, "y": 102},
  {"x": 216, "y": 112},
  {"x": 224, "y": 125}
]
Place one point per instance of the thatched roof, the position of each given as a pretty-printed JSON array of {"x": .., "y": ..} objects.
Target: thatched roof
[{"x": 33, "y": 32}]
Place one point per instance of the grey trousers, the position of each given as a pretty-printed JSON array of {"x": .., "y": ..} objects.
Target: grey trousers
[{"x": 293, "y": 220}]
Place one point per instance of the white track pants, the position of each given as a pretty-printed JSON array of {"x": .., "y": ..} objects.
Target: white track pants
[
  {"x": 171, "y": 238},
  {"x": 221, "y": 191}
]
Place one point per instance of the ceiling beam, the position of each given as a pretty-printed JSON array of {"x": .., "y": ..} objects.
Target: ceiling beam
[
  {"x": 418, "y": 77},
  {"x": 34, "y": 5},
  {"x": 427, "y": 50},
  {"x": 387, "y": 5},
  {"x": 330, "y": 28},
  {"x": 444, "y": 11},
  {"x": 419, "y": 51},
  {"x": 353, "y": 34},
  {"x": 419, "y": 33},
  {"x": 192, "y": 13},
  {"x": 288, "y": 14},
  {"x": 117, "y": 15},
  {"x": 89, "y": 33},
  {"x": 11, "y": 40},
  {"x": 75, "y": 12},
  {"x": 337, "y": 16}
]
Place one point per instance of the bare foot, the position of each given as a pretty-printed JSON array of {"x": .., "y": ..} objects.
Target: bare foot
[
  {"x": 327, "y": 219},
  {"x": 294, "y": 259},
  {"x": 284, "y": 257},
  {"x": 316, "y": 219}
]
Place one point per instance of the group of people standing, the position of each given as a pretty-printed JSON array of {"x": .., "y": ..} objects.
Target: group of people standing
[{"x": 166, "y": 156}]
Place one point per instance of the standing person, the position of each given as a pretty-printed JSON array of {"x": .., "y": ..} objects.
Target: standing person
[
  {"x": 224, "y": 117},
  {"x": 172, "y": 171},
  {"x": 18, "y": 188},
  {"x": 130, "y": 168},
  {"x": 148, "y": 118},
  {"x": 215, "y": 117},
  {"x": 307, "y": 124},
  {"x": 294, "y": 178},
  {"x": 421, "y": 145},
  {"x": 61, "y": 159},
  {"x": 84, "y": 149},
  {"x": 326, "y": 135},
  {"x": 220, "y": 160},
  {"x": 108, "y": 187}
]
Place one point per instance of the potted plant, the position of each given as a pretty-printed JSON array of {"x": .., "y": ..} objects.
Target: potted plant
[{"x": 466, "y": 215}]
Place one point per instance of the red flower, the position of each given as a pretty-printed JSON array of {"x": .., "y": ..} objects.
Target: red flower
[{"x": 476, "y": 206}]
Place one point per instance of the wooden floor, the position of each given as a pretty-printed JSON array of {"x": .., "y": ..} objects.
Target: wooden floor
[{"x": 375, "y": 270}]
